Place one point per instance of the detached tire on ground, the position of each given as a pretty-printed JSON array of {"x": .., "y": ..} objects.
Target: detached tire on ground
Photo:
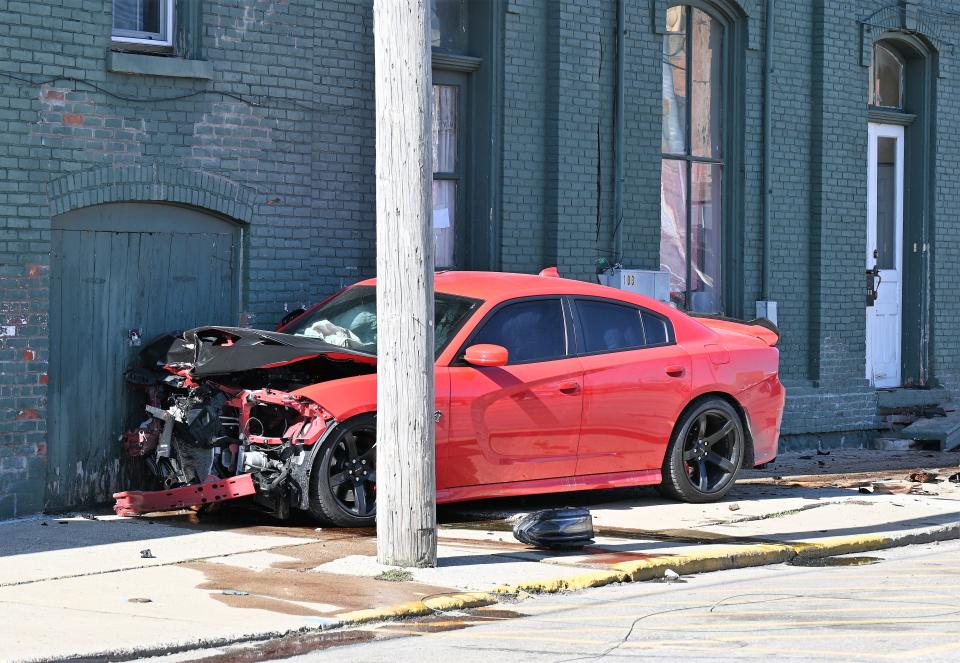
[
  {"x": 343, "y": 481},
  {"x": 705, "y": 453}
]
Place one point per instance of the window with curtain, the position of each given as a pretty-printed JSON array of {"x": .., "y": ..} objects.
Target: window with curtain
[
  {"x": 692, "y": 166},
  {"x": 446, "y": 171}
]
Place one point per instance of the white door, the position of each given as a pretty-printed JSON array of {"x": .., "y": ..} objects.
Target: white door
[{"x": 885, "y": 253}]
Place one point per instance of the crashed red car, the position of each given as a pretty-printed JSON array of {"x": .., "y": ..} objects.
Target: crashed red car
[{"x": 542, "y": 385}]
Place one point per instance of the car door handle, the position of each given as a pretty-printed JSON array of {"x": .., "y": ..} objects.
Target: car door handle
[
  {"x": 569, "y": 386},
  {"x": 675, "y": 371}
]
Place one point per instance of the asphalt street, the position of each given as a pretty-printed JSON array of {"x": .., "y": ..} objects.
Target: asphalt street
[{"x": 904, "y": 606}]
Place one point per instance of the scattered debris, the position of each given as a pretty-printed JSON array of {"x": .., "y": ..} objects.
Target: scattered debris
[
  {"x": 569, "y": 528},
  {"x": 954, "y": 478},
  {"x": 670, "y": 575},
  {"x": 923, "y": 476},
  {"x": 235, "y": 592},
  {"x": 88, "y": 516},
  {"x": 146, "y": 553},
  {"x": 394, "y": 575},
  {"x": 139, "y": 599},
  {"x": 734, "y": 507}
]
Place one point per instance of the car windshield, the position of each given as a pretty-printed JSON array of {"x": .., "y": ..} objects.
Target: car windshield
[{"x": 350, "y": 319}]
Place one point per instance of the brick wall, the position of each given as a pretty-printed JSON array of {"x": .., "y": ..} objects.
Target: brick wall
[{"x": 281, "y": 138}]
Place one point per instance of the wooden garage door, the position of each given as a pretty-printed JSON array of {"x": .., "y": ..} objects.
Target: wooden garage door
[{"x": 116, "y": 268}]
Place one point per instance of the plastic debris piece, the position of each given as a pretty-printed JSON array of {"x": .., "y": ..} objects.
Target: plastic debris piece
[
  {"x": 139, "y": 599},
  {"x": 147, "y": 554},
  {"x": 569, "y": 528},
  {"x": 235, "y": 592},
  {"x": 734, "y": 507},
  {"x": 670, "y": 574},
  {"x": 922, "y": 476}
]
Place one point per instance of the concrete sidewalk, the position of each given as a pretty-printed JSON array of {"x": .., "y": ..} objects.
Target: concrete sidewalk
[{"x": 79, "y": 586}]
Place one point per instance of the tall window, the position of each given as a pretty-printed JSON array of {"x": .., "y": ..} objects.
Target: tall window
[
  {"x": 446, "y": 168},
  {"x": 448, "y": 21},
  {"x": 144, "y": 22},
  {"x": 693, "y": 159}
]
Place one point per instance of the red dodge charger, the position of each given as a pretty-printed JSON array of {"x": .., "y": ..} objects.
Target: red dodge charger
[{"x": 543, "y": 384}]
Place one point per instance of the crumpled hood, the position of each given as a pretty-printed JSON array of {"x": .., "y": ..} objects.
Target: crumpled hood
[{"x": 207, "y": 351}]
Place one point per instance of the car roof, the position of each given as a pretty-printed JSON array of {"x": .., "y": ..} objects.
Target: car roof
[{"x": 495, "y": 287}]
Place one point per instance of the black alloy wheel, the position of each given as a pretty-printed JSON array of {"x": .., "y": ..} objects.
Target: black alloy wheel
[
  {"x": 343, "y": 483},
  {"x": 705, "y": 453}
]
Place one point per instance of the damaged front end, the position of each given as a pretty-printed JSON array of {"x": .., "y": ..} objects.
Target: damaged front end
[{"x": 221, "y": 424}]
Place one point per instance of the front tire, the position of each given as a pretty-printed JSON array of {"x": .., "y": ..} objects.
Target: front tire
[
  {"x": 705, "y": 453},
  {"x": 343, "y": 481}
]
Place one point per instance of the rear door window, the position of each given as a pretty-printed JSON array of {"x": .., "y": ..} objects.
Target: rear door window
[
  {"x": 609, "y": 327},
  {"x": 531, "y": 330},
  {"x": 655, "y": 329}
]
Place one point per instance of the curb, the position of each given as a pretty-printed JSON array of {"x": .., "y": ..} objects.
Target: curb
[
  {"x": 725, "y": 557},
  {"x": 438, "y": 603}
]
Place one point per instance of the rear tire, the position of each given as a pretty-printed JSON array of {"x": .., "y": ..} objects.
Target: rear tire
[
  {"x": 343, "y": 489},
  {"x": 705, "y": 453}
]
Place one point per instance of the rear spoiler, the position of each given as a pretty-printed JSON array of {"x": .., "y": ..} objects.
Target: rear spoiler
[{"x": 761, "y": 328}]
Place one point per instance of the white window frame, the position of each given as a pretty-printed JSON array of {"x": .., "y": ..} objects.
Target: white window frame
[{"x": 164, "y": 38}]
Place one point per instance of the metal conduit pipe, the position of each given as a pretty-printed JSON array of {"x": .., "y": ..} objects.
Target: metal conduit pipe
[
  {"x": 768, "y": 68},
  {"x": 618, "y": 136}
]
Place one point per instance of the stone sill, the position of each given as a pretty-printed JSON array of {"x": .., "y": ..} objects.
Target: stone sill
[{"x": 153, "y": 65}]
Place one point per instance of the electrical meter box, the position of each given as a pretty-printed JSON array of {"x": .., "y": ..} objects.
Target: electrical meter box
[{"x": 647, "y": 282}]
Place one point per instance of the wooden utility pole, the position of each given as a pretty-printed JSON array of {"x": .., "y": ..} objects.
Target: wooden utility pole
[{"x": 406, "y": 478}]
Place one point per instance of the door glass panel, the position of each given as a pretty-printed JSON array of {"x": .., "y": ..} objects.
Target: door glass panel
[
  {"x": 609, "y": 327},
  {"x": 705, "y": 241},
  {"x": 674, "y": 138},
  {"x": 444, "y": 221},
  {"x": 886, "y": 202},
  {"x": 673, "y": 226},
  {"x": 705, "y": 89},
  {"x": 530, "y": 331}
]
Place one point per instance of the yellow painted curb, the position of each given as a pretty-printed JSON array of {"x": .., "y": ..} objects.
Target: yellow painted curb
[
  {"x": 715, "y": 558},
  {"x": 712, "y": 557},
  {"x": 426, "y": 606},
  {"x": 570, "y": 583}
]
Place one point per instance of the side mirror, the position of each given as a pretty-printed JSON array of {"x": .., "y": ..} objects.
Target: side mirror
[
  {"x": 290, "y": 317},
  {"x": 486, "y": 355}
]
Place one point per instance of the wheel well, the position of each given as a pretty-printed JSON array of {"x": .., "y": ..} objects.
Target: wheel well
[{"x": 748, "y": 456}]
